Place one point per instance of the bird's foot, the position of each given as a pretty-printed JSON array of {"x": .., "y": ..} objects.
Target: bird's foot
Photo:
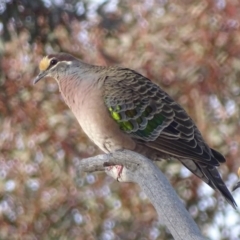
[{"x": 117, "y": 169}]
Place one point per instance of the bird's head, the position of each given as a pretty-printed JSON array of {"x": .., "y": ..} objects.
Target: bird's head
[{"x": 53, "y": 64}]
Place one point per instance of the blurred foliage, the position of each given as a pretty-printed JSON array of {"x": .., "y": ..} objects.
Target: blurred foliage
[{"x": 191, "y": 48}]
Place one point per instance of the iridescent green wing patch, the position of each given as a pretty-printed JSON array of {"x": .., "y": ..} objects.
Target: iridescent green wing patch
[{"x": 139, "y": 122}]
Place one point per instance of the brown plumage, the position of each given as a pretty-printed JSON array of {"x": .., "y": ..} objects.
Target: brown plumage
[{"x": 119, "y": 108}]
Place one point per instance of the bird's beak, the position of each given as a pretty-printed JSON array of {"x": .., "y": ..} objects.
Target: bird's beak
[{"x": 40, "y": 76}]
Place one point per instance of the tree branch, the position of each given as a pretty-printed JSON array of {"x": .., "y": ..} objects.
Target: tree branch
[{"x": 155, "y": 185}]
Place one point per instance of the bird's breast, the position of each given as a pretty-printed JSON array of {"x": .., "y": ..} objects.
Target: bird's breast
[{"x": 92, "y": 114}]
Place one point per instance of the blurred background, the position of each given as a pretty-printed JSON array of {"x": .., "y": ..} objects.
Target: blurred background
[{"x": 190, "y": 48}]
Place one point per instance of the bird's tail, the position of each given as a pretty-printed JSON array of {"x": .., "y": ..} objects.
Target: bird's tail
[{"x": 211, "y": 176}]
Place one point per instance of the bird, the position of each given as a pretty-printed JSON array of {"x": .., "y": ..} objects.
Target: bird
[{"x": 118, "y": 108}]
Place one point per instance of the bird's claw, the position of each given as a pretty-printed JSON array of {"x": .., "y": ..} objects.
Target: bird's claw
[{"x": 118, "y": 169}]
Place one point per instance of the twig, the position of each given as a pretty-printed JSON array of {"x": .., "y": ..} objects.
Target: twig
[{"x": 155, "y": 185}]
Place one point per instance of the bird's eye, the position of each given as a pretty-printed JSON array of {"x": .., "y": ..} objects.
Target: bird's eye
[{"x": 53, "y": 62}]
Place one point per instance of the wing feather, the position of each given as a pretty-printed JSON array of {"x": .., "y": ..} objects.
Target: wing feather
[
  {"x": 151, "y": 116},
  {"x": 154, "y": 120}
]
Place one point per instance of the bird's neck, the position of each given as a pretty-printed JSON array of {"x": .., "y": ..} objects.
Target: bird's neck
[{"x": 74, "y": 89}]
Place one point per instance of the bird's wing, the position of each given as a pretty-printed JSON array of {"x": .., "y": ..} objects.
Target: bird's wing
[
  {"x": 149, "y": 115},
  {"x": 152, "y": 117}
]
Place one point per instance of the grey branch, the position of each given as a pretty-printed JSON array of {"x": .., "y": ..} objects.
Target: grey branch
[{"x": 155, "y": 185}]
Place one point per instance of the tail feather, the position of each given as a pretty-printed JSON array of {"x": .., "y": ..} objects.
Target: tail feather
[
  {"x": 214, "y": 176},
  {"x": 218, "y": 156},
  {"x": 211, "y": 176},
  {"x": 203, "y": 166}
]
